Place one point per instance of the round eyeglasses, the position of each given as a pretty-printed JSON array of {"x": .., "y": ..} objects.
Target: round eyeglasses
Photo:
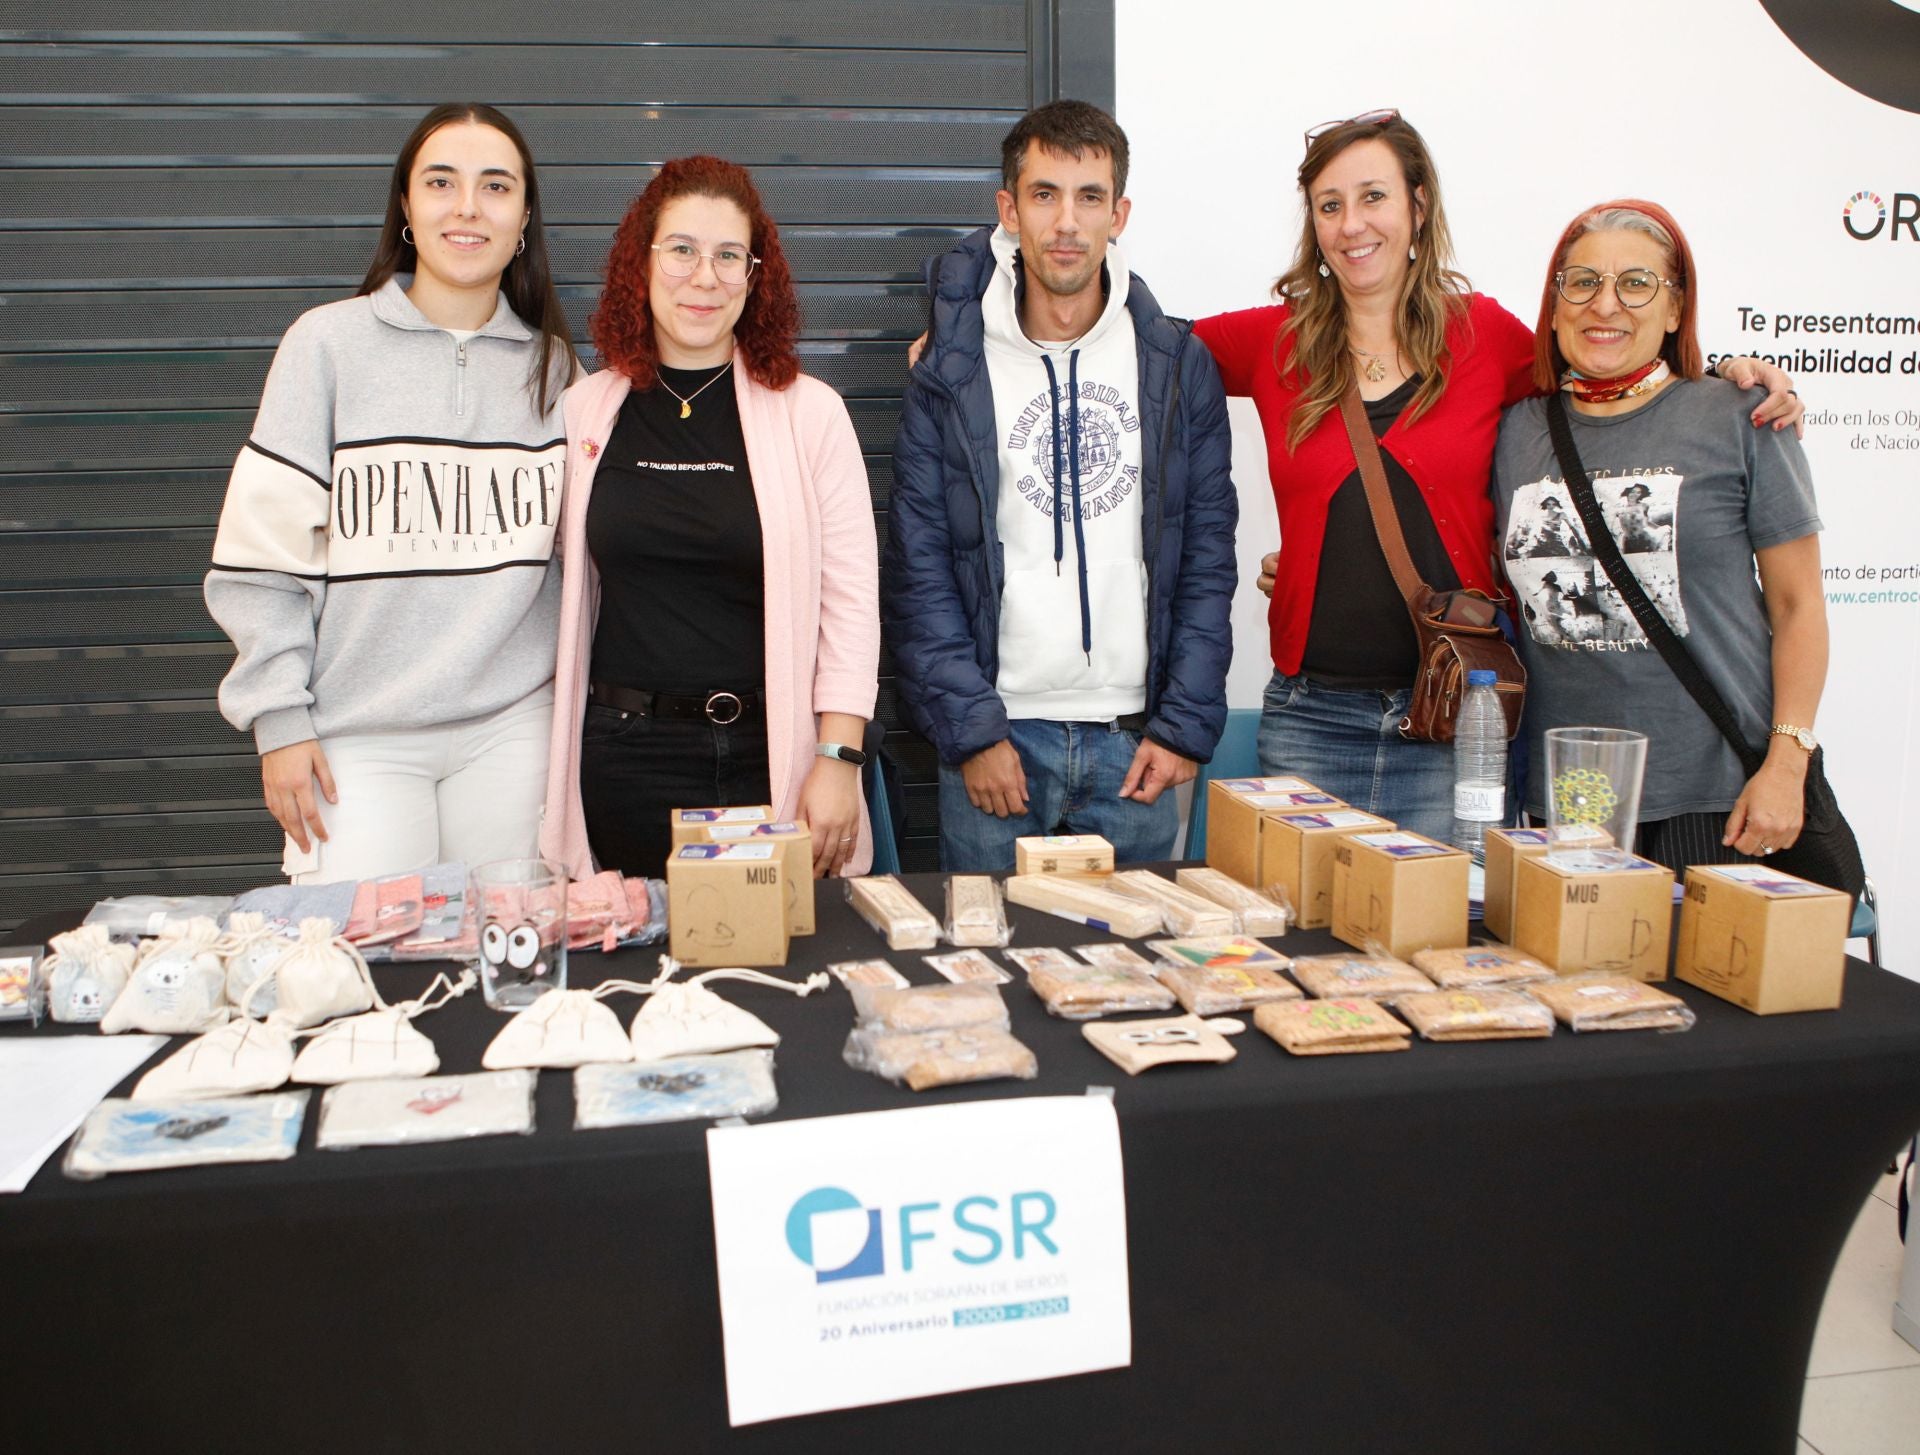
[
  {"x": 682, "y": 260},
  {"x": 1635, "y": 288}
]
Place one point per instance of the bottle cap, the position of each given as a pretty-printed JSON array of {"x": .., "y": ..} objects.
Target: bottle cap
[{"x": 1480, "y": 677}]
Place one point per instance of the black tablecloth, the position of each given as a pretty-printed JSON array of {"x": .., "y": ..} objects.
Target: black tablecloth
[{"x": 1609, "y": 1243}]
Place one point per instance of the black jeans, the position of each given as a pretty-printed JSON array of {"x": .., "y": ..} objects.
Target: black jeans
[{"x": 635, "y": 770}]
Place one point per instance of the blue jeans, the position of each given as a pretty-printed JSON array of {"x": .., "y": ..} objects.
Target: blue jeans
[
  {"x": 1074, "y": 772},
  {"x": 1349, "y": 744}
]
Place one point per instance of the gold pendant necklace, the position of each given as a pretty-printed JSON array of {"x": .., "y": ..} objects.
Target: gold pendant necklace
[
  {"x": 686, "y": 400},
  {"x": 1376, "y": 369}
]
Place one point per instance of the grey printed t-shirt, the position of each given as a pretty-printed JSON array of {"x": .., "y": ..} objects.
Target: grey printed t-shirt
[{"x": 1692, "y": 490}]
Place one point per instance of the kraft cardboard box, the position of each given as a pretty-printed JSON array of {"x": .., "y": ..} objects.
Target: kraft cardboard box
[
  {"x": 1617, "y": 920},
  {"x": 1062, "y": 854},
  {"x": 1762, "y": 939},
  {"x": 1505, "y": 849},
  {"x": 695, "y": 825},
  {"x": 796, "y": 862},
  {"x": 727, "y": 904},
  {"x": 1234, "y": 806},
  {"x": 1296, "y": 850},
  {"x": 1400, "y": 890}
]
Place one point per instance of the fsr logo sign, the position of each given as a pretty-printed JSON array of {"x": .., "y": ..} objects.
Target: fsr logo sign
[{"x": 838, "y": 1237}]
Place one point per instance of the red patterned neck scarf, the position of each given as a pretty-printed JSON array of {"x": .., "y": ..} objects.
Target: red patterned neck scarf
[{"x": 1643, "y": 380}]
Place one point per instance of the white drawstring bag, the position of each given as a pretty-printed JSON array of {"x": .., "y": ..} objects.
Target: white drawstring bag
[
  {"x": 85, "y": 973},
  {"x": 564, "y": 1028},
  {"x": 382, "y": 1043},
  {"x": 178, "y": 986},
  {"x": 241, "y": 1056},
  {"x": 252, "y": 946},
  {"x": 688, "y": 1019},
  {"x": 321, "y": 977}
]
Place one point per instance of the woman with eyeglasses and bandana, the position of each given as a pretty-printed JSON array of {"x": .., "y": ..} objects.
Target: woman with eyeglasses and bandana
[
  {"x": 720, "y": 627},
  {"x": 1372, "y": 298},
  {"x": 1715, "y": 522}
]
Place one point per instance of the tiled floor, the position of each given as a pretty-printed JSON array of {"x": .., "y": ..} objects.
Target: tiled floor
[{"x": 1863, "y": 1381}]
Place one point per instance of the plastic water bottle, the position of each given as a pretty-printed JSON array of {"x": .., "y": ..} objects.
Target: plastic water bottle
[{"x": 1479, "y": 765}]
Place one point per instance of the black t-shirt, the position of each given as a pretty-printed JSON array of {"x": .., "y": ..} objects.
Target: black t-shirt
[
  {"x": 675, "y": 532},
  {"x": 1360, "y": 636}
]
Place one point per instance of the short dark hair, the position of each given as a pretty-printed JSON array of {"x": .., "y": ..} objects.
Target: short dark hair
[{"x": 1071, "y": 128}]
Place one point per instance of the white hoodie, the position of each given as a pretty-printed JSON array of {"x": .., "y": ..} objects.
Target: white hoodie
[{"x": 1073, "y": 615}]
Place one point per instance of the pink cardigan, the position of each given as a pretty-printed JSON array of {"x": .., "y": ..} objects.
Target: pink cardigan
[{"x": 822, "y": 588}]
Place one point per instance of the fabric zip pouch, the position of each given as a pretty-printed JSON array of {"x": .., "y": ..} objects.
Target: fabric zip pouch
[
  {"x": 322, "y": 976},
  {"x": 687, "y": 1019},
  {"x": 1613, "y": 1003},
  {"x": 1475, "y": 1015},
  {"x": 1226, "y": 989},
  {"x": 252, "y": 946},
  {"x": 1479, "y": 967},
  {"x": 1333, "y": 1027},
  {"x": 1370, "y": 977},
  {"x": 178, "y": 986},
  {"x": 382, "y": 1043},
  {"x": 426, "y": 1109},
  {"x": 674, "y": 1089},
  {"x": 231, "y": 1060},
  {"x": 145, "y": 1136},
  {"x": 85, "y": 973},
  {"x": 564, "y": 1029}
]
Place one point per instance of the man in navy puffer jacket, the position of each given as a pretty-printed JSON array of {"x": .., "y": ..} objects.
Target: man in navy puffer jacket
[{"x": 1059, "y": 562}]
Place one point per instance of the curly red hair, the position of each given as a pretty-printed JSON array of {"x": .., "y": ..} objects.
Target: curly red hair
[{"x": 622, "y": 325}]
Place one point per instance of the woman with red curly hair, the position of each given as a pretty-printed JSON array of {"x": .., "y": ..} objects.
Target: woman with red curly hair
[{"x": 720, "y": 628}]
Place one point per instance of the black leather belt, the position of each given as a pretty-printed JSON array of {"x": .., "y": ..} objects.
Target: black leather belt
[
  {"x": 1133, "y": 722},
  {"x": 720, "y": 708}
]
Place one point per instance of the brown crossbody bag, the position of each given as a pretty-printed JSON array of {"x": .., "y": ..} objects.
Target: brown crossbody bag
[{"x": 1455, "y": 631}]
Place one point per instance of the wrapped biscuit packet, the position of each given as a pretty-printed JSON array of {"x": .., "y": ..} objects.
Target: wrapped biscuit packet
[
  {"x": 1613, "y": 1003},
  {"x": 983, "y": 1052},
  {"x": 1479, "y": 967},
  {"x": 1358, "y": 976},
  {"x": 1475, "y": 1015},
  {"x": 1332, "y": 1027},
  {"x": 928, "y": 1007},
  {"x": 1226, "y": 989}
]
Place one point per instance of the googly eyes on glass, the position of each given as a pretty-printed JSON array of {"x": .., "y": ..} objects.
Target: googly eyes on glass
[
  {"x": 493, "y": 944},
  {"x": 523, "y": 947}
]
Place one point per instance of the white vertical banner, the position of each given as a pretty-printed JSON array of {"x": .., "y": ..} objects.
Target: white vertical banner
[
  {"x": 1785, "y": 137},
  {"x": 891, "y": 1255}
]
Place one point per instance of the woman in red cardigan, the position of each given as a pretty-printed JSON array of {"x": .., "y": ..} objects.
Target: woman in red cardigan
[{"x": 1372, "y": 296}]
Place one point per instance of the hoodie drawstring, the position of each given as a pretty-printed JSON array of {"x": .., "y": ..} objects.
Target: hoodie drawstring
[{"x": 1071, "y": 469}]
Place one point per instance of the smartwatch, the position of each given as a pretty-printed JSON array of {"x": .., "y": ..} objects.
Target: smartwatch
[{"x": 845, "y": 754}]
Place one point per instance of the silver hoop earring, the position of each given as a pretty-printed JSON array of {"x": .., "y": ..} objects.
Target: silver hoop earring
[
  {"x": 406, "y": 235},
  {"x": 523, "y": 245},
  {"x": 1325, "y": 271}
]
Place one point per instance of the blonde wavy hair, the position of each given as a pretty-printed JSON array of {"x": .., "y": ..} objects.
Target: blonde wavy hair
[{"x": 1435, "y": 293}]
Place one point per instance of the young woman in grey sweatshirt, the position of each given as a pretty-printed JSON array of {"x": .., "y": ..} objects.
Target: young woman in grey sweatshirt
[{"x": 384, "y": 562}]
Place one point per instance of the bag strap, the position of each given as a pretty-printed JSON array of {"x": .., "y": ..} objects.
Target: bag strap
[
  {"x": 1660, "y": 634},
  {"x": 1386, "y": 520},
  {"x": 816, "y": 981}
]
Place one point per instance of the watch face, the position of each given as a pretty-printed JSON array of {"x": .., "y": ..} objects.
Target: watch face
[{"x": 1806, "y": 740}]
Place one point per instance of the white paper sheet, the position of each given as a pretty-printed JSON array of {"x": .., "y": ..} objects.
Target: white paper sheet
[{"x": 48, "y": 1086}]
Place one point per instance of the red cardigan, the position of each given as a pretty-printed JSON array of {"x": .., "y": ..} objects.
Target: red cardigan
[{"x": 1448, "y": 451}]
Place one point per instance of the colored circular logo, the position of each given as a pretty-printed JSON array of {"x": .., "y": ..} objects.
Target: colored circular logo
[
  {"x": 1864, "y": 215},
  {"x": 1584, "y": 796},
  {"x": 800, "y": 1217}
]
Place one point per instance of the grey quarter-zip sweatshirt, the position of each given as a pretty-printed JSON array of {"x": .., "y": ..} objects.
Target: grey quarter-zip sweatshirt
[{"x": 385, "y": 553}]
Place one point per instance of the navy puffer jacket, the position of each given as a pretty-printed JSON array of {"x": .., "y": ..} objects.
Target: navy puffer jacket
[{"x": 942, "y": 571}]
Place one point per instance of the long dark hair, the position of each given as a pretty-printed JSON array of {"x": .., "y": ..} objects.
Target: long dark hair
[{"x": 528, "y": 280}]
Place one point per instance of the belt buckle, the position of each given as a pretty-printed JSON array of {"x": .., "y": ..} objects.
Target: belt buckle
[{"x": 719, "y": 700}]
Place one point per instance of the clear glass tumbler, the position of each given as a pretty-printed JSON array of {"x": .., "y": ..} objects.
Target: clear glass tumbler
[
  {"x": 1594, "y": 776},
  {"x": 521, "y": 907}
]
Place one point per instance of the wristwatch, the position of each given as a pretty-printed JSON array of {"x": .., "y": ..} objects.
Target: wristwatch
[
  {"x": 1803, "y": 736},
  {"x": 852, "y": 755}
]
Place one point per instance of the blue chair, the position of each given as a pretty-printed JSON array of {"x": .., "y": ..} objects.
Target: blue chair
[
  {"x": 1866, "y": 923},
  {"x": 1235, "y": 757},
  {"x": 886, "y": 847}
]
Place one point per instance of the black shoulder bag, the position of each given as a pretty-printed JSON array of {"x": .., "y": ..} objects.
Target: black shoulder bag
[{"x": 1826, "y": 851}]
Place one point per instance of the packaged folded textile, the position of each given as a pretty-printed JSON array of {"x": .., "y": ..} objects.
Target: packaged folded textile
[
  {"x": 1332, "y": 1027},
  {"x": 1479, "y": 967},
  {"x": 1475, "y": 1015},
  {"x": 1225, "y": 989}
]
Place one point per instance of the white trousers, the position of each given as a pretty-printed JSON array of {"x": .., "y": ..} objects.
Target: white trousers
[{"x": 469, "y": 791}]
